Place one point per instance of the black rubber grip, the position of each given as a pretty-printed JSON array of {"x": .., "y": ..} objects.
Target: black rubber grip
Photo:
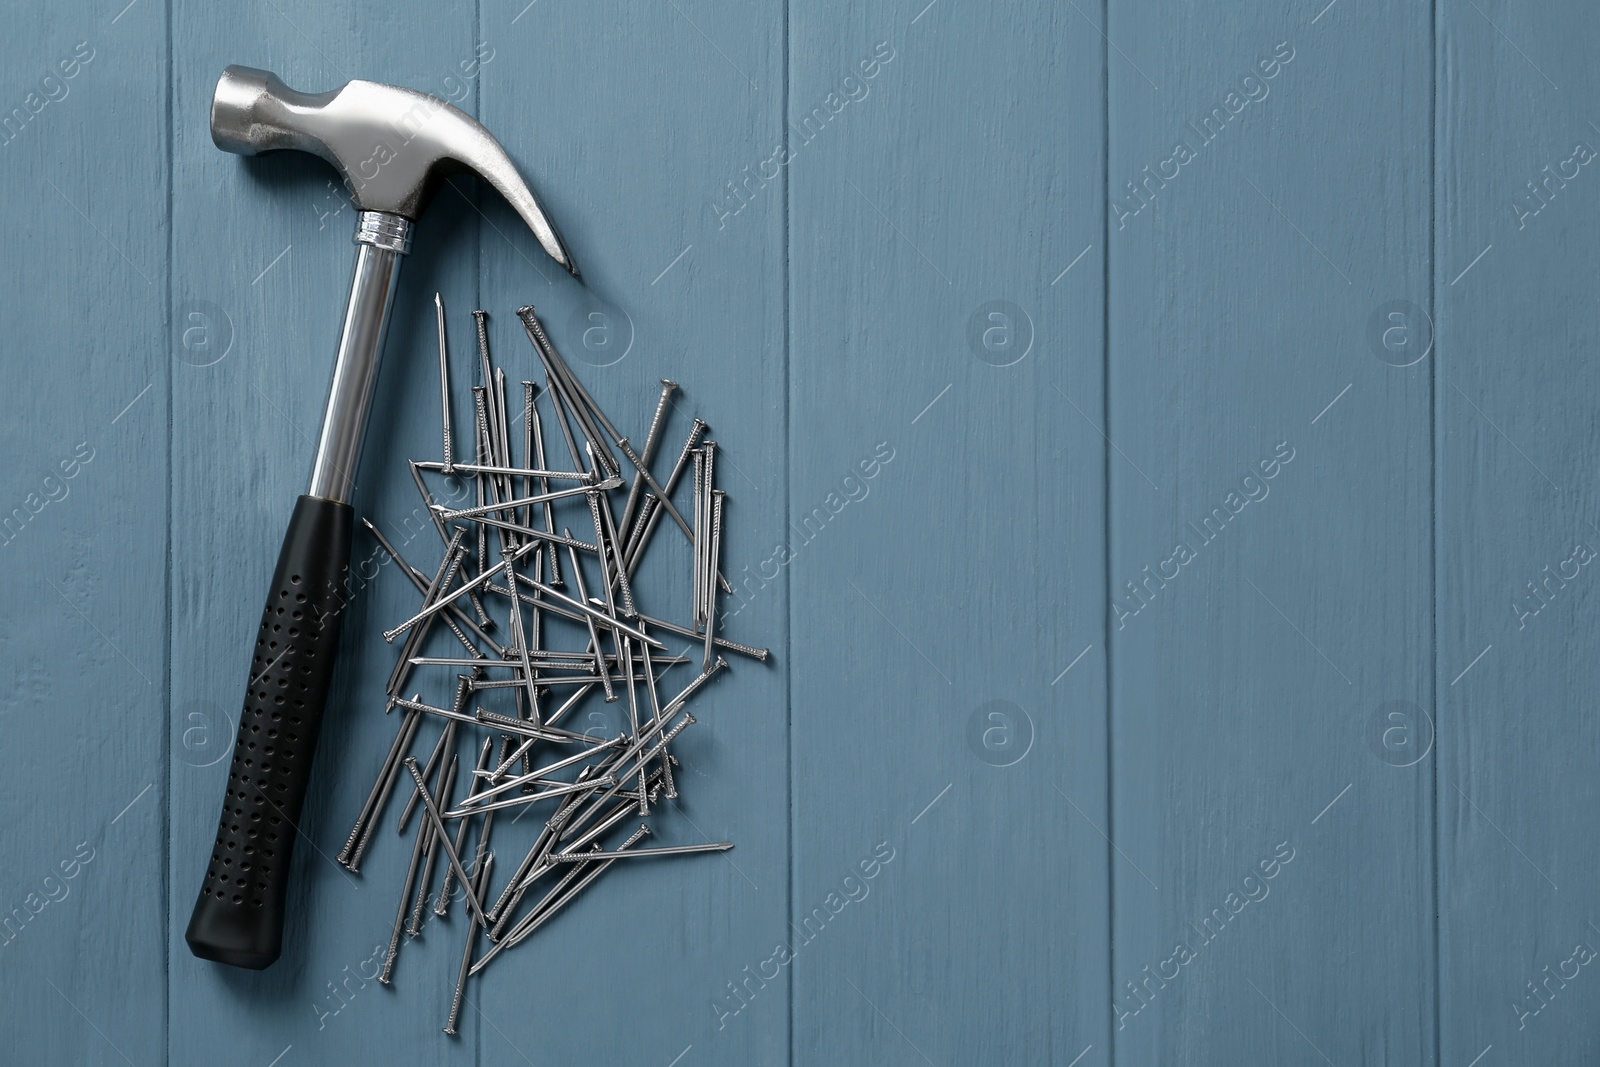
[{"x": 238, "y": 918}]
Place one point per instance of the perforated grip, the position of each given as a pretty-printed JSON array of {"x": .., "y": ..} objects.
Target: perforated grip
[{"x": 238, "y": 918}]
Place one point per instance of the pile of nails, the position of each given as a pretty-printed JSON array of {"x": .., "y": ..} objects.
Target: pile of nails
[{"x": 575, "y": 634}]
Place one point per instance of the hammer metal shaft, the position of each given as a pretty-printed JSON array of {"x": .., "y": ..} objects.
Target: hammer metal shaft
[{"x": 382, "y": 240}]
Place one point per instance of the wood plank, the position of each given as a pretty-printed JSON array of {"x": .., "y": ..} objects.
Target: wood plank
[
  {"x": 938, "y": 593},
  {"x": 1249, "y": 665},
  {"x": 625, "y": 153},
  {"x": 1516, "y": 451},
  {"x": 84, "y": 157},
  {"x": 268, "y": 240}
]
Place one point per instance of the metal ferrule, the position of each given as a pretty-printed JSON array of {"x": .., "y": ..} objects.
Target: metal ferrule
[{"x": 383, "y": 230}]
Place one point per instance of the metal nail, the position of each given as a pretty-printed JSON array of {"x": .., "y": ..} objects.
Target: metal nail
[
  {"x": 555, "y": 718},
  {"x": 478, "y": 886},
  {"x": 553, "y": 904},
  {"x": 448, "y": 514},
  {"x": 430, "y": 852},
  {"x": 721, "y": 642},
  {"x": 714, "y": 554},
  {"x": 545, "y": 681},
  {"x": 441, "y": 581},
  {"x": 405, "y": 906},
  {"x": 606, "y": 581},
  {"x": 529, "y": 798},
  {"x": 611, "y": 543},
  {"x": 419, "y": 580},
  {"x": 501, "y": 722},
  {"x": 670, "y": 850},
  {"x": 562, "y": 379},
  {"x": 442, "y": 905},
  {"x": 519, "y": 635},
  {"x": 502, "y": 431},
  {"x": 534, "y": 433},
  {"x": 661, "y": 494},
  {"x": 512, "y": 894},
  {"x": 538, "y": 774},
  {"x": 444, "y": 839},
  {"x": 447, "y": 736},
  {"x": 536, "y": 534},
  {"x": 594, "y": 635},
  {"x": 543, "y": 865},
  {"x": 510, "y": 472},
  {"x": 480, "y": 410},
  {"x": 697, "y": 580},
  {"x": 502, "y": 939},
  {"x": 427, "y": 500},
  {"x": 547, "y": 908},
  {"x": 669, "y": 786},
  {"x": 378, "y": 796},
  {"x": 633, "y": 720},
  {"x": 486, "y": 828},
  {"x": 481, "y": 319},
  {"x": 652, "y": 440},
  {"x": 547, "y": 658},
  {"x": 649, "y": 513},
  {"x": 709, "y": 572},
  {"x": 634, "y": 750},
  {"x": 554, "y": 734},
  {"x": 444, "y": 384},
  {"x": 476, "y": 583},
  {"x": 559, "y": 600}
]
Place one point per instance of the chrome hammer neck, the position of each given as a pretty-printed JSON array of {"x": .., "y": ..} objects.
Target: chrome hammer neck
[{"x": 381, "y": 240}]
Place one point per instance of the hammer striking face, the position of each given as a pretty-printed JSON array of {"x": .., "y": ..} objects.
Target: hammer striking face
[{"x": 392, "y": 146}]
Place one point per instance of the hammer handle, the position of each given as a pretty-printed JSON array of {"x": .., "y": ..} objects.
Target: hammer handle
[{"x": 238, "y": 918}]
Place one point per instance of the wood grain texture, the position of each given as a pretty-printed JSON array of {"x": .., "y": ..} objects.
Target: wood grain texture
[
  {"x": 1515, "y": 453},
  {"x": 981, "y": 347},
  {"x": 84, "y": 547},
  {"x": 937, "y": 591},
  {"x": 1247, "y": 665}
]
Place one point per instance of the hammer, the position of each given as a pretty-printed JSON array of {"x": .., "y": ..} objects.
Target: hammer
[{"x": 392, "y": 146}]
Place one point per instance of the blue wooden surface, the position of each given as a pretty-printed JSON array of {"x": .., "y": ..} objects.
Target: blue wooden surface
[{"x": 1176, "y": 561}]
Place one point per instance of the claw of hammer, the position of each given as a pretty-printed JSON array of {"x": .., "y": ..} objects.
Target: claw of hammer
[{"x": 392, "y": 145}]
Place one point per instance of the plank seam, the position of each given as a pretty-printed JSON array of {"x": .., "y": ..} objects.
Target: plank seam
[
  {"x": 788, "y": 479},
  {"x": 166, "y": 584},
  {"x": 1433, "y": 512},
  {"x": 1106, "y": 515},
  {"x": 477, "y": 302}
]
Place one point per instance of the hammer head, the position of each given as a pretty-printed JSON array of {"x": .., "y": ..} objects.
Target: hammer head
[{"x": 391, "y": 145}]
